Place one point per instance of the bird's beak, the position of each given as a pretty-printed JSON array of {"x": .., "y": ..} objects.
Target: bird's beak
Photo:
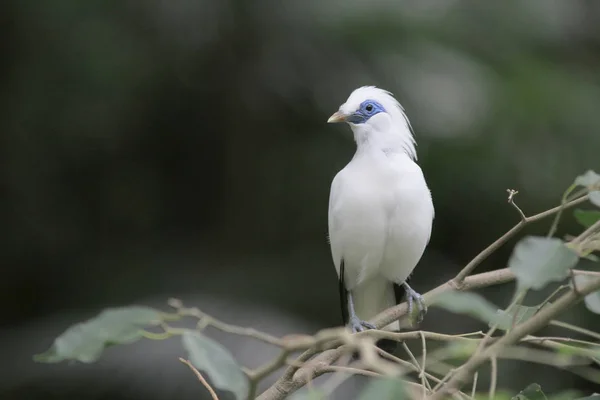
[{"x": 337, "y": 116}]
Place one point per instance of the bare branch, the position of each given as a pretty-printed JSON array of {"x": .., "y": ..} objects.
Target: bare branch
[
  {"x": 575, "y": 328},
  {"x": 494, "y": 377},
  {"x": 511, "y": 194},
  {"x": 201, "y": 378},
  {"x": 508, "y": 235},
  {"x": 474, "y": 389},
  {"x": 295, "y": 377}
]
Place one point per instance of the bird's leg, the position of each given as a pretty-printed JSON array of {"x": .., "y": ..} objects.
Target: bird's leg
[
  {"x": 356, "y": 324},
  {"x": 414, "y": 297}
]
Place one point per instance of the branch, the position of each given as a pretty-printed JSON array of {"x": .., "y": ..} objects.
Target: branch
[
  {"x": 512, "y": 232},
  {"x": 465, "y": 372},
  {"x": 576, "y": 328},
  {"x": 201, "y": 379},
  {"x": 494, "y": 378},
  {"x": 333, "y": 343},
  {"x": 415, "y": 369},
  {"x": 485, "y": 279},
  {"x": 294, "y": 377}
]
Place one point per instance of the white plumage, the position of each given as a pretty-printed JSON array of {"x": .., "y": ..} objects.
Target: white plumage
[{"x": 380, "y": 208}]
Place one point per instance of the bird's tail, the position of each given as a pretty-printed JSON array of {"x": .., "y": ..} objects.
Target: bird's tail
[{"x": 372, "y": 297}]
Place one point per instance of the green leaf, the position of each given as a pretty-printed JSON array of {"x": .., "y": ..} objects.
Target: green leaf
[
  {"x": 309, "y": 394},
  {"x": 531, "y": 392},
  {"x": 537, "y": 261},
  {"x": 504, "y": 319},
  {"x": 466, "y": 303},
  {"x": 595, "y": 197},
  {"x": 217, "y": 362},
  {"x": 586, "y": 217},
  {"x": 85, "y": 341},
  {"x": 590, "y": 180},
  {"x": 384, "y": 389},
  {"x": 595, "y": 396},
  {"x": 592, "y": 300}
]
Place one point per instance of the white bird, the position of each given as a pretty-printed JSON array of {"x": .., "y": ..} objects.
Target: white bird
[{"x": 380, "y": 209}]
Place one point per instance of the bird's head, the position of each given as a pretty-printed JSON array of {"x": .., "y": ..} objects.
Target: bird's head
[{"x": 377, "y": 118}]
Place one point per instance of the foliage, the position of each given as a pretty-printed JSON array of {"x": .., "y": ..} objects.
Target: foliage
[
  {"x": 85, "y": 341},
  {"x": 536, "y": 263},
  {"x": 504, "y": 319},
  {"x": 466, "y": 303},
  {"x": 587, "y": 218}
]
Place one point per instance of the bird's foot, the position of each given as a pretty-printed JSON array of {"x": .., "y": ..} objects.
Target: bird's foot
[
  {"x": 358, "y": 325},
  {"x": 413, "y": 297}
]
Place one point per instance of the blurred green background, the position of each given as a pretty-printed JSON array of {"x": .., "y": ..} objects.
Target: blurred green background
[{"x": 160, "y": 148}]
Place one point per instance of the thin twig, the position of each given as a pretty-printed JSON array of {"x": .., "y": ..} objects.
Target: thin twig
[
  {"x": 549, "y": 298},
  {"x": 520, "y": 297},
  {"x": 200, "y": 378},
  {"x": 545, "y": 339},
  {"x": 351, "y": 370},
  {"x": 412, "y": 367},
  {"x": 207, "y": 320},
  {"x": 444, "y": 380},
  {"x": 563, "y": 201},
  {"x": 575, "y": 328},
  {"x": 511, "y": 201},
  {"x": 494, "y": 377},
  {"x": 474, "y": 389},
  {"x": 424, "y": 362},
  {"x": 504, "y": 238},
  {"x": 419, "y": 368}
]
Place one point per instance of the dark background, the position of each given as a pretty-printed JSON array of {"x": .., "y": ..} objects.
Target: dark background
[{"x": 160, "y": 148}]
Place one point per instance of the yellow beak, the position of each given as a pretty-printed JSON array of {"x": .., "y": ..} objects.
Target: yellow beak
[{"x": 337, "y": 117}]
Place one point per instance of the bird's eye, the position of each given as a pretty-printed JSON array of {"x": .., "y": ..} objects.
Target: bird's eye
[{"x": 369, "y": 107}]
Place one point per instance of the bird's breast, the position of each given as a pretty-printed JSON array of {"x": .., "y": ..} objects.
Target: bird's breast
[{"x": 380, "y": 219}]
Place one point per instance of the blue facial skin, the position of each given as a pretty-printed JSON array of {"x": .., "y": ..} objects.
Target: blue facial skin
[{"x": 367, "y": 109}]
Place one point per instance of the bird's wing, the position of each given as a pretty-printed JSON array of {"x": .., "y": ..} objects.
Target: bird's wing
[
  {"x": 410, "y": 220},
  {"x": 333, "y": 225},
  {"x": 357, "y": 231},
  {"x": 333, "y": 222}
]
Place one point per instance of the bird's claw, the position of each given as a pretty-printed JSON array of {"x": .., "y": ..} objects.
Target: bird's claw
[
  {"x": 414, "y": 297},
  {"x": 358, "y": 325}
]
